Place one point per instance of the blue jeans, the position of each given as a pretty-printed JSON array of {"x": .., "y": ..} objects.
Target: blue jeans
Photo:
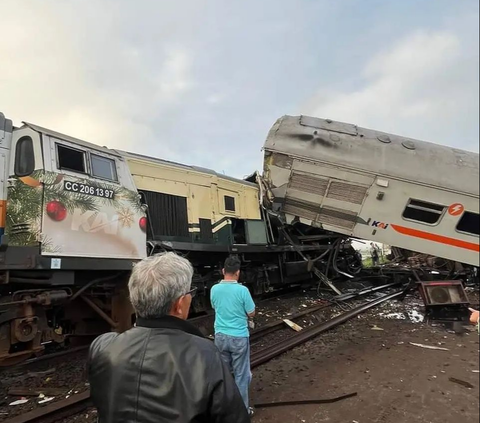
[{"x": 235, "y": 353}]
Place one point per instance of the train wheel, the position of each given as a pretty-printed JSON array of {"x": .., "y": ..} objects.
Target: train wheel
[{"x": 12, "y": 354}]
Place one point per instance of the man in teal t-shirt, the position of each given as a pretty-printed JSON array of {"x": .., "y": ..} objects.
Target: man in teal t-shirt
[{"x": 233, "y": 305}]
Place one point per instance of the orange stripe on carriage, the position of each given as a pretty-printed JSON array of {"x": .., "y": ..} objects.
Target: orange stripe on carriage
[
  {"x": 3, "y": 213},
  {"x": 437, "y": 238}
]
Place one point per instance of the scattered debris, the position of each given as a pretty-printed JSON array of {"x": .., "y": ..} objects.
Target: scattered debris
[
  {"x": 19, "y": 402},
  {"x": 474, "y": 371},
  {"x": 445, "y": 300},
  {"x": 461, "y": 382},
  {"x": 415, "y": 316},
  {"x": 428, "y": 347},
  {"x": 47, "y": 399},
  {"x": 375, "y": 327},
  {"x": 397, "y": 316},
  {"x": 294, "y": 326}
]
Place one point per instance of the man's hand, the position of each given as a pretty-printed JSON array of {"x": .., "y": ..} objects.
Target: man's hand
[{"x": 473, "y": 316}]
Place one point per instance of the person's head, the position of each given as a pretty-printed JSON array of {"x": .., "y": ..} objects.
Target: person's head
[
  {"x": 160, "y": 286},
  {"x": 231, "y": 268}
]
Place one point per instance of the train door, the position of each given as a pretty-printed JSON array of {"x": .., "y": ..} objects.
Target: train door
[{"x": 25, "y": 190}]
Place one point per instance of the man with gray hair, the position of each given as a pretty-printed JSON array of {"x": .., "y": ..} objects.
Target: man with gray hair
[{"x": 163, "y": 370}]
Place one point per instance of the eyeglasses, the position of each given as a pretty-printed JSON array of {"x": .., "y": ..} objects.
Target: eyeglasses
[{"x": 192, "y": 292}]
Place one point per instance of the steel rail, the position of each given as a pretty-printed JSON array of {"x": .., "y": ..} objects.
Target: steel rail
[
  {"x": 274, "y": 326},
  {"x": 55, "y": 411},
  {"x": 279, "y": 324},
  {"x": 348, "y": 296},
  {"x": 80, "y": 402},
  {"x": 275, "y": 350}
]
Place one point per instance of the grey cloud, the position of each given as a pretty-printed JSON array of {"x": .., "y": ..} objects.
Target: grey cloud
[
  {"x": 201, "y": 82},
  {"x": 425, "y": 86}
]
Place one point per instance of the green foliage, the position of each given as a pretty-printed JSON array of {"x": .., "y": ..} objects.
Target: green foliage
[
  {"x": 368, "y": 262},
  {"x": 24, "y": 205},
  {"x": 121, "y": 193},
  {"x": 53, "y": 190},
  {"x": 26, "y": 202}
]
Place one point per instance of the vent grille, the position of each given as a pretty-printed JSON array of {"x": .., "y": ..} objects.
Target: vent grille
[
  {"x": 347, "y": 192},
  {"x": 303, "y": 209},
  {"x": 445, "y": 294},
  {"x": 308, "y": 183},
  {"x": 336, "y": 217}
]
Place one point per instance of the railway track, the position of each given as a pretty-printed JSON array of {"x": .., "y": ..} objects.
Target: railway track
[
  {"x": 80, "y": 402},
  {"x": 205, "y": 323},
  {"x": 280, "y": 324},
  {"x": 266, "y": 354}
]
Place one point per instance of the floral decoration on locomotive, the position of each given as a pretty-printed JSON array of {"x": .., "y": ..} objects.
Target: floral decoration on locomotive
[{"x": 80, "y": 203}]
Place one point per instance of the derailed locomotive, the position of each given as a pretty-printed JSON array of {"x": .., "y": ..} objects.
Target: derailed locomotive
[{"x": 75, "y": 217}]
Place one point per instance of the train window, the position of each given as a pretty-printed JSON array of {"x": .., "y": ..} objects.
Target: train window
[
  {"x": 469, "y": 223},
  {"x": 424, "y": 212},
  {"x": 229, "y": 203},
  {"x": 70, "y": 159},
  {"x": 103, "y": 167},
  {"x": 24, "y": 157}
]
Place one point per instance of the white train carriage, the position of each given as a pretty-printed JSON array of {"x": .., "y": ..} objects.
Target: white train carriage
[{"x": 411, "y": 194}]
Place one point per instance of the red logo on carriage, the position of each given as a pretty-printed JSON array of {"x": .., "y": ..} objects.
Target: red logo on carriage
[{"x": 456, "y": 209}]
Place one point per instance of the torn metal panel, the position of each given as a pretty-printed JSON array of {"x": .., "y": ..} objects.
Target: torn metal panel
[{"x": 445, "y": 300}]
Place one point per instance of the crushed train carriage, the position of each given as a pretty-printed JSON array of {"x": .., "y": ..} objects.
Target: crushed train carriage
[
  {"x": 75, "y": 217},
  {"x": 372, "y": 185}
]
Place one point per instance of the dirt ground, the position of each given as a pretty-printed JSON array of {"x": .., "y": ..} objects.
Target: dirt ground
[
  {"x": 67, "y": 374},
  {"x": 371, "y": 355},
  {"x": 395, "y": 381}
]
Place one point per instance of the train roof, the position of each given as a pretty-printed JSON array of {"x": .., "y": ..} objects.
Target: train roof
[
  {"x": 380, "y": 153},
  {"x": 74, "y": 140},
  {"x": 199, "y": 169},
  {"x": 5, "y": 124},
  {"x": 121, "y": 153}
]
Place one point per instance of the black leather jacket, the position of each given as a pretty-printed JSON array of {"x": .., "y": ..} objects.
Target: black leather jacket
[{"x": 162, "y": 371}]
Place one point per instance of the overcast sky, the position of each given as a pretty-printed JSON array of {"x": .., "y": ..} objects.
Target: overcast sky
[{"x": 202, "y": 81}]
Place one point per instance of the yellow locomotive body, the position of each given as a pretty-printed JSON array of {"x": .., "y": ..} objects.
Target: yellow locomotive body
[
  {"x": 192, "y": 204},
  {"x": 75, "y": 217}
]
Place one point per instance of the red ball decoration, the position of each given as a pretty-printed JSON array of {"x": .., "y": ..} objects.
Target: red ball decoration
[
  {"x": 143, "y": 223},
  {"x": 56, "y": 211}
]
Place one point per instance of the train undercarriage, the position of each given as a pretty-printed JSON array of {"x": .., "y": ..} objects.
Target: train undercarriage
[
  {"x": 43, "y": 309},
  {"x": 46, "y": 309}
]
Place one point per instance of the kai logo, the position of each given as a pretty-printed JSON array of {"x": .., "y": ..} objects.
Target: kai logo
[
  {"x": 93, "y": 222},
  {"x": 456, "y": 209},
  {"x": 380, "y": 225}
]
